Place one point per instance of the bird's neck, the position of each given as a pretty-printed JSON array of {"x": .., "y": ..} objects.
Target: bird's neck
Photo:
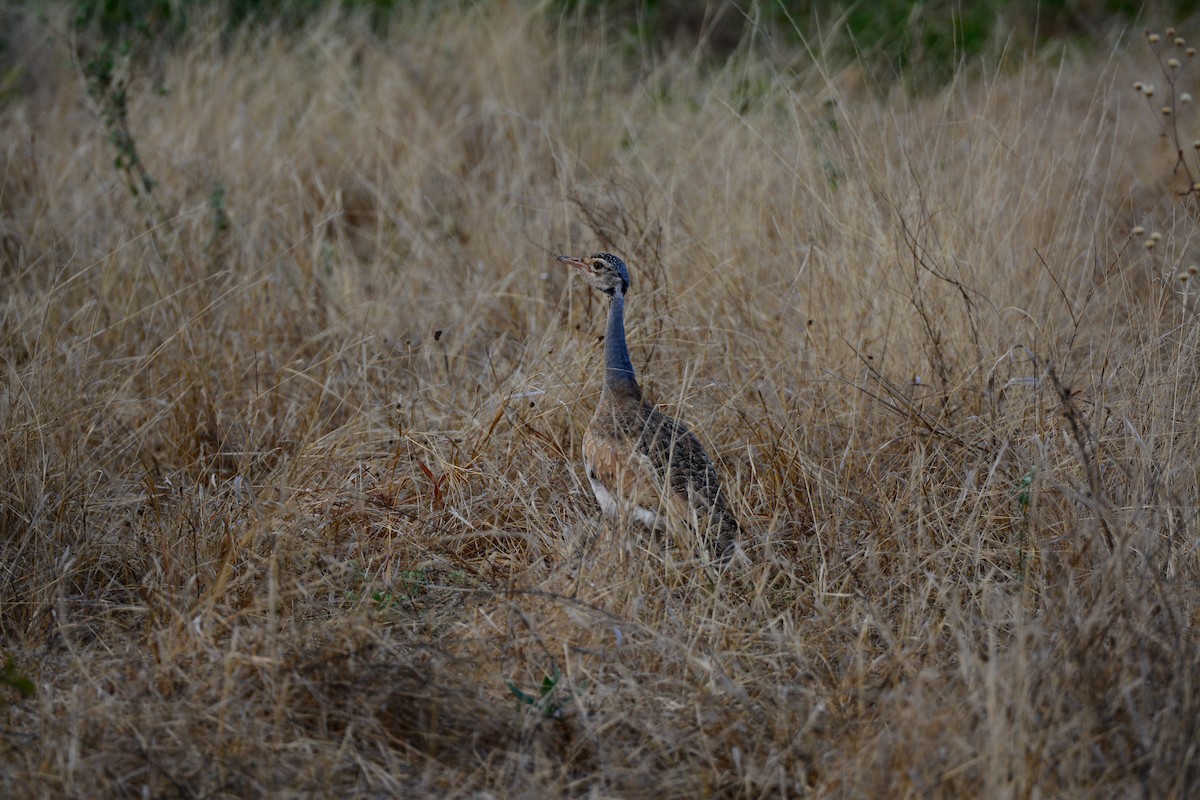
[{"x": 618, "y": 369}]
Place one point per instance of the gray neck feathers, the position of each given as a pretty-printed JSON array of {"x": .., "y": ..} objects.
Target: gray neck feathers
[{"x": 618, "y": 369}]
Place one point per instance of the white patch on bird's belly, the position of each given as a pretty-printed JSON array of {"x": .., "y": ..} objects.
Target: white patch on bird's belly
[
  {"x": 651, "y": 519},
  {"x": 612, "y": 509},
  {"x": 608, "y": 503}
]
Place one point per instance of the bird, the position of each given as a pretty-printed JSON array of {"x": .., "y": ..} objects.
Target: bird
[{"x": 641, "y": 463}]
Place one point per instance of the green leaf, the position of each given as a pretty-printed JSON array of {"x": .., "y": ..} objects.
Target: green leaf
[
  {"x": 14, "y": 680},
  {"x": 524, "y": 698}
]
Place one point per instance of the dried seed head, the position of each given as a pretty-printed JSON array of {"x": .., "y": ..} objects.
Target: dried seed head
[
  {"x": 1166, "y": 111},
  {"x": 1148, "y": 90},
  {"x": 1179, "y": 41},
  {"x": 1173, "y": 63},
  {"x": 1185, "y": 98},
  {"x": 1149, "y": 245},
  {"x": 1183, "y": 278},
  {"x": 1191, "y": 51},
  {"x": 1138, "y": 230},
  {"x": 1138, "y": 86},
  {"x": 1193, "y": 269},
  {"x": 1153, "y": 38},
  {"x": 1196, "y": 186},
  {"x": 1154, "y": 237},
  {"x": 1170, "y": 31}
]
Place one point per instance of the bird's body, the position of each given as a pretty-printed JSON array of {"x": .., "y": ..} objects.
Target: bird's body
[{"x": 642, "y": 464}]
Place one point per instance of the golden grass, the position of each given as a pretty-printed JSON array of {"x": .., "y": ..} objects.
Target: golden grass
[{"x": 293, "y": 507}]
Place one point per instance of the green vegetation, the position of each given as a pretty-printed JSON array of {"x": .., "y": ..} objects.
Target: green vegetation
[
  {"x": 927, "y": 41},
  {"x": 10, "y": 678},
  {"x": 550, "y": 701}
]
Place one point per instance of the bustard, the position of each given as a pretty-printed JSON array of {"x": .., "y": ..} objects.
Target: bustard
[{"x": 641, "y": 463}]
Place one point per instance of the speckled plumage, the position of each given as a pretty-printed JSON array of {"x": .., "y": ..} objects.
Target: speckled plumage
[{"x": 642, "y": 464}]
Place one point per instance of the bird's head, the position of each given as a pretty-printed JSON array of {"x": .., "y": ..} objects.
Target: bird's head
[{"x": 603, "y": 270}]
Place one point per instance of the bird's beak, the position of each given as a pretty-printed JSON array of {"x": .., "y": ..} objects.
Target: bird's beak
[{"x": 577, "y": 263}]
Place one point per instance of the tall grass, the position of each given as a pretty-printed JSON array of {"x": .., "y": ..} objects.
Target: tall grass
[{"x": 292, "y": 499}]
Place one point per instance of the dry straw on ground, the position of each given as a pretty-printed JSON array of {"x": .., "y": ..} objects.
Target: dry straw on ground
[{"x": 291, "y": 498}]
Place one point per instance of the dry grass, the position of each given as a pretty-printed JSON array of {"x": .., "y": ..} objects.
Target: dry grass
[{"x": 288, "y": 506}]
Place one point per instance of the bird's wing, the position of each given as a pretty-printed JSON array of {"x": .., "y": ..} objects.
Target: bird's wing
[
  {"x": 675, "y": 451},
  {"x": 680, "y": 460}
]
